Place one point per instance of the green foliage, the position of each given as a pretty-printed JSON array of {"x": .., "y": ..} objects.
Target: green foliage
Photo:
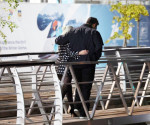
[
  {"x": 5, "y": 21},
  {"x": 127, "y": 13}
]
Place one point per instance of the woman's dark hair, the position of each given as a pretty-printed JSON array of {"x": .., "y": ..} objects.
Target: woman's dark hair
[{"x": 92, "y": 20}]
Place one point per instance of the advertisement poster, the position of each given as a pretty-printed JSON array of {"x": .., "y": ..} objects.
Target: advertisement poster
[{"x": 40, "y": 23}]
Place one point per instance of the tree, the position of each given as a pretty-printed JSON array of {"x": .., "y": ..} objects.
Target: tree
[
  {"x": 127, "y": 13},
  {"x": 5, "y": 18}
]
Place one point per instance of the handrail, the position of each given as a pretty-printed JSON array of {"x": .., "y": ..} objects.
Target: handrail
[
  {"x": 26, "y": 63},
  {"x": 28, "y": 53},
  {"x": 104, "y": 50}
]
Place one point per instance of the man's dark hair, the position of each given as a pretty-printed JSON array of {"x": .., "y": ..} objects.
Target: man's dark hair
[{"x": 92, "y": 20}]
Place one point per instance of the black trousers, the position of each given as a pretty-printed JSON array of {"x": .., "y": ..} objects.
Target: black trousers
[
  {"x": 85, "y": 74},
  {"x": 67, "y": 90}
]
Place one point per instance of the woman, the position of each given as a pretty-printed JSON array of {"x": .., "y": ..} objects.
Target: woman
[{"x": 64, "y": 55}]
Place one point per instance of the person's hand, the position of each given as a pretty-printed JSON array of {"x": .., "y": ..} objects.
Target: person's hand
[{"x": 83, "y": 52}]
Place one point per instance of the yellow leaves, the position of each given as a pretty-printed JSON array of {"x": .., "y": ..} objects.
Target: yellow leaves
[
  {"x": 128, "y": 36},
  {"x": 113, "y": 21},
  {"x": 128, "y": 18},
  {"x": 136, "y": 19},
  {"x": 130, "y": 11},
  {"x": 3, "y": 36},
  {"x": 120, "y": 28},
  {"x": 145, "y": 13},
  {"x": 116, "y": 35},
  {"x": 127, "y": 13},
  {"x": 121, "y": 36}
]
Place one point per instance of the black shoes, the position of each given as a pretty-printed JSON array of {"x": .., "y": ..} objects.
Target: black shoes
[
  {"x": 80, "y": 115},
  {"x": 73, "y": 114}
]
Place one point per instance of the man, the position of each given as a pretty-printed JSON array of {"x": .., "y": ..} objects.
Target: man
[{"x": 85, "y": 37}]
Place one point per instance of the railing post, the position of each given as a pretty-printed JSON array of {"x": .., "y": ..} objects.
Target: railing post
[
  {"x": 20, "y": 98},
  {"x": 137, "y": 89},
  {"x": 146, "y": 84},
  {"x": 122, "y": 70},
  {"x": 58, "y": 100},
  {"x": 99, "y": 92},
  {"x": 120, "y": 91},
  {"x": 113, "y": 85}
]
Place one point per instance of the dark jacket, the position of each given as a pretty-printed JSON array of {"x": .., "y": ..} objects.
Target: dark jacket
[{"x": 81, "y": 38}]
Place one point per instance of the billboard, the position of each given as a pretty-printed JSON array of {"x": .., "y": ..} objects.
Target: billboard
[{"x": 40, "y": 23}]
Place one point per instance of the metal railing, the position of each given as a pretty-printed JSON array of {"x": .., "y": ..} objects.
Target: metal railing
[
  {"x": 28, "y": 91},
  {"x": 32, "y": 90}
]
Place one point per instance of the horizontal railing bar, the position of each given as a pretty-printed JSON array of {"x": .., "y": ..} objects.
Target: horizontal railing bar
[
  {"x": 9, "y": 76},
  {"x": 50, "y": 98},
  {"x": 25, "y": 63},
  {"x": 122, "y": 79},
  {"x": 6, "y": 118},
  {"x": 10, "y": 85},
  {"x": 50, "y": 90},
  {"x": 123, "y": 58},
  {"x": 34, "y": 115},
  {"x": 10, "y": 101},
  {"x": 27, "y": 72},
  {"x": 8, "y": 106},
  {"x": 26, "y": 54},
  {"x": 38, "y": 84},
  {"x": 104, "y": 50},
  {"x": 137, "y": 71},
  {"x": 1, "y": 94},
  {"x": 48, "y": 62},
  {"x": 26, "y": 80},
  {"x": 37, "y": 122},
  {"x": 50, "y": 106},
  {"x": 24, "y": 74},
  {"x": 125, "y": 48},
  {"x": 8, "y": 110},
  {"x": 146, "y": 96},
  {"x": 131, "y": 97}
]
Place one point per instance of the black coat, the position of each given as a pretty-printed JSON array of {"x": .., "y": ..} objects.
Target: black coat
[{"x": 81, "y": 38}]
